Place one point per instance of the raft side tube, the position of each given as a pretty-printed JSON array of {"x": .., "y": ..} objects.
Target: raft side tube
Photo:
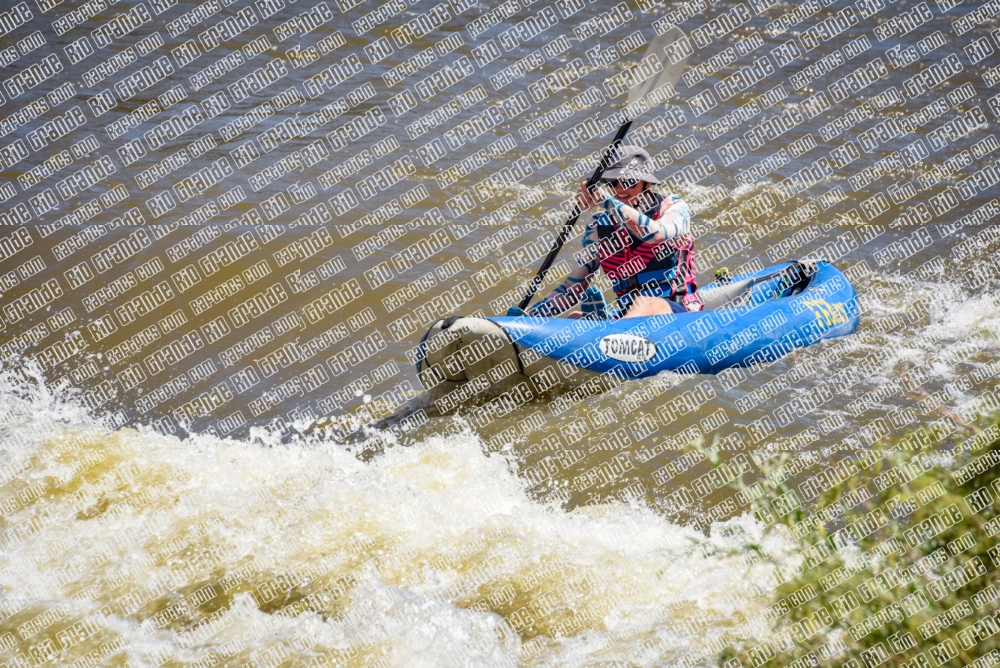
[{"x": 749, "y": 325}]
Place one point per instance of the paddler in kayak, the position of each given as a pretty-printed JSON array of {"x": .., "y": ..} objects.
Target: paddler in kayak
[{"x": 642, "y": 240}]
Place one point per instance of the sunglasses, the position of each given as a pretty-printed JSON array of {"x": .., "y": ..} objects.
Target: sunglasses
[{"x": 621, "y": 183}]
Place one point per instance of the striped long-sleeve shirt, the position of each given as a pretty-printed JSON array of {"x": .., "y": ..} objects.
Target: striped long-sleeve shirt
[{"x": 673, "y": 222}]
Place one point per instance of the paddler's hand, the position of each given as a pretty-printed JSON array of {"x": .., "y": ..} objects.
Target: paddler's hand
[
  {"x": 584, "y": 200},
  {"x": 603, "y": 193}
]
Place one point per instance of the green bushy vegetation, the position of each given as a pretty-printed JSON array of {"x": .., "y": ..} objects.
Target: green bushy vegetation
[{"x": 895, "y": 564}]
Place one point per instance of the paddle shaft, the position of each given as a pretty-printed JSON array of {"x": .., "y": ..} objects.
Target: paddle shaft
[{"x": 567, "y": 228}]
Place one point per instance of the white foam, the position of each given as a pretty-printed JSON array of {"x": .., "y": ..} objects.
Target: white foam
[{"x": 426, "y": 555}]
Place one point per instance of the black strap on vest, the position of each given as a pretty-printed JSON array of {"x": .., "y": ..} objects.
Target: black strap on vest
[{"x": 669, "y": 261}]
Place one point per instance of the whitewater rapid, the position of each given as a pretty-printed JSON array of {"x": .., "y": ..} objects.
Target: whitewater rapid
[{"x": 124, "y": 544}]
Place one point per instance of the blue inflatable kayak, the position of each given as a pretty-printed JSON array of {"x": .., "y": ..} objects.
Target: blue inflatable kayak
[{"x": 751, "y": 319}]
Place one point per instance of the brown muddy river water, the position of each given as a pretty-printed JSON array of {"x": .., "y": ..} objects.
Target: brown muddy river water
[{"x": 226, "y": 226}]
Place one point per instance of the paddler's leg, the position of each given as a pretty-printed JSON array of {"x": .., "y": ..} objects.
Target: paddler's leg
[
  {"x": 643, "y": 305},
  {"x": 593, "y": 304}
]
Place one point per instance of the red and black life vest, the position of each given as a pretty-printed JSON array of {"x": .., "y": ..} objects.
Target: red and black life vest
[{"x": 632, "y": 264}]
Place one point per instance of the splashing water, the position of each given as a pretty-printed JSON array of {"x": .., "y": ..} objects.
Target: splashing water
[{"x": 125, "y": 545}]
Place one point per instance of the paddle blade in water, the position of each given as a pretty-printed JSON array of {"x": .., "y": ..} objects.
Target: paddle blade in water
[{"x": 670, "y": 50}]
